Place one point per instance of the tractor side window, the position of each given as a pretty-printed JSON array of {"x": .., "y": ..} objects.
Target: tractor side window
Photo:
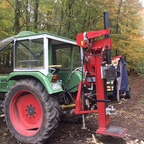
[
  {"x": 29, "y": 53},
  {"x": 6, "y": 60},
  {"x": 76, "y": 57},
  {"x": 63, "y": 56}
]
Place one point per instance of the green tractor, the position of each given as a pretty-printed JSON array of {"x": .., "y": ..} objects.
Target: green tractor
[
  {"x": 39, "y": 75},
  {"x": 46, "y": 78}
]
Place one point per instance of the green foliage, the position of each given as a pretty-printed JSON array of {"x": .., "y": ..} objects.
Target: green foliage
[
  {"x": 6, "y": 18},
  {"x": 70, "y": 17},
  {"x": 126, "y": 29}
]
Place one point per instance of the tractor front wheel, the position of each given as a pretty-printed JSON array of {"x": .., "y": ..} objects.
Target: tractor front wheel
[{"x": 31, "y": 114}]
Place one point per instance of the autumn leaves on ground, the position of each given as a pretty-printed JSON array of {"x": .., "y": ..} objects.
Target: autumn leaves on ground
[{"x": 129, "y": 114}]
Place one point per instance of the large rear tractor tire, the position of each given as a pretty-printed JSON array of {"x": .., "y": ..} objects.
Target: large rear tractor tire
[{"x": 31, "y": 114}]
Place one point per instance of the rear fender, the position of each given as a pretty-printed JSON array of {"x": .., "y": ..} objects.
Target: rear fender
[{"x": 51, "y": 87}]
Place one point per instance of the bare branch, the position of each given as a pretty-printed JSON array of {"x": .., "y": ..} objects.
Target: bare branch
[{"x": 11, "y": 4}]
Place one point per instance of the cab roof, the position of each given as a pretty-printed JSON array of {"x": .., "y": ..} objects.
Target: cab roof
[{"x": 7, "y": 41}]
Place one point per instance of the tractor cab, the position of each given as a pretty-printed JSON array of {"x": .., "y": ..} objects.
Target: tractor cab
[
  {"x": 48, "y": 54},
  {"x": 55, "y": 57}
]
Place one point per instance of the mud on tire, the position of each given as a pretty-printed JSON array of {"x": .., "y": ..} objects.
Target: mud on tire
[{"x": 31, "y": 114}]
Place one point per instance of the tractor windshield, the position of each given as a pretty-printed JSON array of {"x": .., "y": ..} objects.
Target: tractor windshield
[{"x": 29, "y": 53}]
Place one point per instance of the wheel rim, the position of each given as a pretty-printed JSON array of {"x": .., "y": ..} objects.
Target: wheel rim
[{"x": 26, "y": 113}]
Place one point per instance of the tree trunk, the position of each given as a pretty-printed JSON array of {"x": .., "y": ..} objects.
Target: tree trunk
[
  {"x": 117, "y": 20},
  {"x": 27, "y": 15},
  {"x": 69, "y": 9},
  {"x": 17, "y": 17},
  {"x": 36, "y": 15}
]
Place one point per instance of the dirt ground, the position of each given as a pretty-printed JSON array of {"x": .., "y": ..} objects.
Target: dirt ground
[{"x": 129, "y": 114}]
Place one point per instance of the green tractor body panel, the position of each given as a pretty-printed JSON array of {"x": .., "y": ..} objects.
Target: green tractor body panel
[
  {"x": 4, "y": 83},
  {"x": 74, "y": 80},
  {"x": 71, "y": 80},
  {"x": 51, "y": 87}
]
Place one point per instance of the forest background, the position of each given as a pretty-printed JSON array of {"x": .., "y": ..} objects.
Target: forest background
[{"x": 70, "y": 17}]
